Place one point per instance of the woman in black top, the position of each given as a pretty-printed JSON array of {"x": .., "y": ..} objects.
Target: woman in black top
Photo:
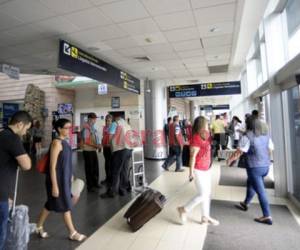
[{"x": 58, "y": 182}]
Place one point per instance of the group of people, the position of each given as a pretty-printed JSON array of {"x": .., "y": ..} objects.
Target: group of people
[
  {"x": 117, "y": 153},
  {"x": 252, "y": 141}
]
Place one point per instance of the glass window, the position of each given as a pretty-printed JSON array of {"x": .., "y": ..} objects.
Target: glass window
[
  {"x": 294, "y": 114},
  {"x": 293, "y": 17}
]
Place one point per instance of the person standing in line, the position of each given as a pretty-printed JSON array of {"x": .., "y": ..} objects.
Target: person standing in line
[
  {"x": 121, "y": 153},
  {"x": 90, "y": 145},
  {"x": 37, "y": 133},
  {"x": 12, "y": 155},
  {"x": 200, "y": 161},
  {"x": 176, "y": 145},
  {"x": 218, "y": 130},
  {"x": 166, "y": 130},
  {"x": 235, "y": 128},
  {"x": 258, "y": 147},
  {"x": 107, "y": 149},
  {"x": 58, "y": 182}
]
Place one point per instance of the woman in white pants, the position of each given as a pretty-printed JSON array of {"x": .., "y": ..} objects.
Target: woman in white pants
[{"x": 200, "y": 162}]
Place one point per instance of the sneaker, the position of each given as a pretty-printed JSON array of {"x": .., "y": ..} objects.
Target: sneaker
[
  {"x": 182, "y": 215},
  {"x": 179, "y": 170},
  {"x": 210, "y": 221}
]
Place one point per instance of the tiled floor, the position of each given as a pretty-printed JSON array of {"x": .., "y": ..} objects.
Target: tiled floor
[{"x": 164, "y": 232}]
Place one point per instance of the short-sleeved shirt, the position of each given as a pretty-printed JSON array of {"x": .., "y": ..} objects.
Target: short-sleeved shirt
[
  {"x": 10, "y": 147},
  {"x": 113, "y": 128},
  {"x": 218, "y": 127},
  {"x": 203, "y": 157}
]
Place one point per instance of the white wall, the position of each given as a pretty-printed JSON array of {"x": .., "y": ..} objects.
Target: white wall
[{"x": 89, "y": 101}]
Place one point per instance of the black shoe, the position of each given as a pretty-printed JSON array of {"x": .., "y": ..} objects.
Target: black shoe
[
  {"x": 98, "y": 186},
  {"x": 179, "y": 170},
  {"x": 264, "y": 220},
  {"x": 165, "y": 168},
  {"x": 242, "y": 206},
  {"x": 107, "y": 195},
  {"x": 104, "y": 182},
  {"x": 129, "y": 189},
  {"x": 92, "y": 190},
  {"x": 122, "y": 192}
]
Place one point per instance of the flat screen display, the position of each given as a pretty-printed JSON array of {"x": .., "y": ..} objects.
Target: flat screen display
[{"x": 65, "y": 108}]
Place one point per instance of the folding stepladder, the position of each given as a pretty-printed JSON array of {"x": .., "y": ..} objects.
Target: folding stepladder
[{"x": 139, "y": 183}]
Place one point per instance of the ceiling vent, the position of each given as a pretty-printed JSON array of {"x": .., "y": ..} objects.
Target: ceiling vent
[
  {"x": 142, "y": 58},
  {"x": 218, "y": 69}
]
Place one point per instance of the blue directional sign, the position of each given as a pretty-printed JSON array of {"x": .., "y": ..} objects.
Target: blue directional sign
[{"x": 205, "y": 89}]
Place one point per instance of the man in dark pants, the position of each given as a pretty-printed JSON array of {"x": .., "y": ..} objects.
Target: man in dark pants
[
  {"x": 90, "y": 145},
  {"x": 12, "y": 155},
  {"x": 176, "y": 145},
  {"x": 107, "y": 149},
  {"x": 121, "y": 153}
]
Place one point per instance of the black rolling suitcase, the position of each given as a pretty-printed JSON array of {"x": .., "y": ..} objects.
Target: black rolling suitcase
[{"x": 146, "y": 206}]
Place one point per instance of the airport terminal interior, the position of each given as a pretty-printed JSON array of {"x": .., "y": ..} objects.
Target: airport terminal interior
[{"x": 230, "y": 67}]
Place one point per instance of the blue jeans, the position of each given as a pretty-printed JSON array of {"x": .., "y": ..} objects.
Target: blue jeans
[
  {"x": 3, "y": 222},
  {"x": 255, "y": 184},
  {"x": 174, "y": 154}
]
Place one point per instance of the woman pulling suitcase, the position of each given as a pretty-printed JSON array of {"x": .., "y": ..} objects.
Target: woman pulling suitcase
[{"x": 58, "y": 182}]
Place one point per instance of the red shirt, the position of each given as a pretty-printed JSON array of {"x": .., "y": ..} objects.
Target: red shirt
[
  {"x": 203, "y": 158},
  {"x": 174, "y": 130},
  {"x": 105, "y": 138}
]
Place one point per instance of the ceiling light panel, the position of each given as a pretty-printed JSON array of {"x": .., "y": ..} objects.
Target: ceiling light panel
[
  {"x": 217, "y": 14},
  {"x": 208, "y": 3},
  {"x": 175, "y": 21},
  {"x": 182, "y": 34},
  {"x": 140, "y": 27},
  {"x": 88, "y": 18},
  {"x": 66, "y": 6},
  {"x": 123, "y": 11},
  {"x": 159, "y": 7}
]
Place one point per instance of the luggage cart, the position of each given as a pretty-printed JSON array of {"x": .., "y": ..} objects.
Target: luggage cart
[{"x": 138, "y": 177}]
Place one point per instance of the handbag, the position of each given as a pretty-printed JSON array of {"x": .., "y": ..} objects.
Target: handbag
[
  {"x": 234, "y": 157},
  {"x": 43, "y": 164}
]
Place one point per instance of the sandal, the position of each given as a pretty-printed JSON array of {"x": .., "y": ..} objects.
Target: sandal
[
  {"x": 75, "y": 236},
  {"x": 41, "y": 233},
  {"x": 264, "y": 220},
  {"x": 242, "y": 206}
]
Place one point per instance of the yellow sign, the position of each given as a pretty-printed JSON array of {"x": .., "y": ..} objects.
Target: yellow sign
[
  {"x": 74, "y": 52},
  {"x": 210, "y": 85}
]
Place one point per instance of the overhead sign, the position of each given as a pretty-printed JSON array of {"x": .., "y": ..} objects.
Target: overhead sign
[
  {"x": 215, "y": 107},
  {"x": 76, "y": 60},
  {"x": 205, "y": 89},
  {"x": 102, "y": 89},
  {"x": 115, "y": 102},
  {"x": 12, "y": 71}
]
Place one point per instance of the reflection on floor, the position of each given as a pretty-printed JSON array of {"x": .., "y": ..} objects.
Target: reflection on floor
[
  {"x": 164, "y": 232},
  {"x": 89, "y": 214}
]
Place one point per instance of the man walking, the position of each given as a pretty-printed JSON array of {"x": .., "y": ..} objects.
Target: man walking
[{"x": 12, "y": 155}]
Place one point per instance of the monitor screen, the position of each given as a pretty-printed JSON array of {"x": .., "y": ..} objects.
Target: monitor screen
[{"x": 65, "y": 108}]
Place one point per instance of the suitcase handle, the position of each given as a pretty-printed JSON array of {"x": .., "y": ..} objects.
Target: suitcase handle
[{"x": 13, "y": 210}]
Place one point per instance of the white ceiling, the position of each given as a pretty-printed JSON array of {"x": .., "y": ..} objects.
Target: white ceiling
[{"x": 182, "y": 42}]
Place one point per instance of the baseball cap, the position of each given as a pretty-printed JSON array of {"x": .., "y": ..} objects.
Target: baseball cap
[{"x": 92, "y": 116}]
